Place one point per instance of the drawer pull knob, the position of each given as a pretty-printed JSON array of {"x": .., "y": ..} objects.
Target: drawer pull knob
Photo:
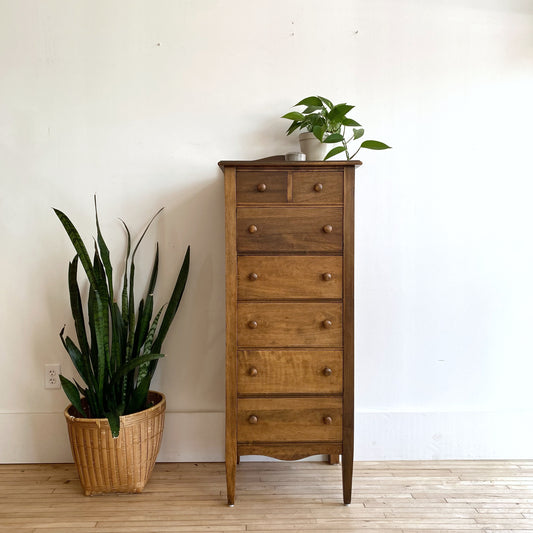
[
  {"x": 252, "y": 228},
  {"x": 318, "y": 187},
  {"x": 252, "y": 371},
  {"x": 328, "y": 420},
  {"x": 252, "y": 324},
  {"x": 252, "y": 419},
  {"x": 252, "y": 276},
  {"x": 327, "y": 324},
  {"x": 328, "y": 228},
  {"x": 262, "y": 187},
  {"x": 327, "y": 276},
  {"x": 327, "y": 371}
]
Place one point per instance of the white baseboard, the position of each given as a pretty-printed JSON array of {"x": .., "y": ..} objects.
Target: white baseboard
[{"x": 190, "y": 437}]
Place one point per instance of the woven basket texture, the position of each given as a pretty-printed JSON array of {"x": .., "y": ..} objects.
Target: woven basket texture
[{"x": 123, "y": 464}]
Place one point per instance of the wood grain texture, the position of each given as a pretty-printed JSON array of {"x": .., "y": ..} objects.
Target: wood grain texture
[
  {"x": 289, "y": 229},
  {"x": 249, "y": 186},
  {"x": 231, "y": 333},
  {"x": 349, "y": 340},
  {"x": 284, "y": 324},
  {"x": 319, "y": 187},
  {"x": 289, "y": 419},
  {"x": 290, "y": 451},
  {"x": 263, "y": 372},
  {"x": 289, "y": 277},
  {"x": 389, "y": 497}
]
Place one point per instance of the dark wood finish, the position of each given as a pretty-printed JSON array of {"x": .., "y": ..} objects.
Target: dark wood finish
[
  {"x": 320, "y": 187},
  {"x": 284, "y": 324},
  {"x": 289, "y": 282},
  {"x": 289, "y": 277},
  {"x": 299, "y": 229},
  {"x": 266, "y": 372},
  {"x": 289, "y": 419},
  {"x": 261, "y": 186}
]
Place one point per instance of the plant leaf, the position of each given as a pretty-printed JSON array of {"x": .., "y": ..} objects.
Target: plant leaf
[
  {"x": 334, "y": 138},
  {"x": 350, "y": 122},
  {"x": 374, "y": 145},
  {"x": 293, "y": 115},
  {"x": 334, "y": 151},
  {"x": 72, "y": 394},
  {"x": 76, "y": 305},
  {"x": 134, "y": 363},
  {"x": 318, "y": 132},
  {"x": 114, "y": 423},
  {"x": 310, "y": 101},
  {"x": 325, "y": 101},
  {"x": 293, "y": 127},
  {"x": 339, "y": 112},
  {"x": 104, "y": 252},
  {"x": 358, "y": 133}
]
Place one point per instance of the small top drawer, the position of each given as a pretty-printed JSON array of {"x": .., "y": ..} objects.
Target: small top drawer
[
  {"x": 314, "y": 187},
  {"x": 261, "y": 186}
]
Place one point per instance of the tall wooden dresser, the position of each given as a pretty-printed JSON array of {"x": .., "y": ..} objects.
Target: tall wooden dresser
[{"x": 289, "y": 311}]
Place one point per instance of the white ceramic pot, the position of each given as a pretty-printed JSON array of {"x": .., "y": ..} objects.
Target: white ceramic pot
[{"x": 313, "y": 149}]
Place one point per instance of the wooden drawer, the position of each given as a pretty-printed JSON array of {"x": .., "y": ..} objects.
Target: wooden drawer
[
  {"x": 318, "y": 187},
  {"x": 259, "y": 187},
  {"x": 289, "y": 419},
  {"x": 289, "y": 277},
  {"x": 289, "y": 372},
  {"x": 269, "y": 324},
  {"x": 291, "y": 229}
]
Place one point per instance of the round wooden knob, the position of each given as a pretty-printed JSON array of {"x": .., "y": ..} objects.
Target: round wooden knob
[
  {"x": 327, "y": 276},
  {"x": 327, "y": 323},
  {"x": 328, "y": 420},
  {"x": 327, "y": 371},
  {"x": 262, "y": 187},
  {"x": 328, "y": 228},
  {"x": 252, "y": 371},
  {"x": 252, "y": 324},
  {"x": 252, "y": 276},
  {"x": 253, "y": 228},
  {"x": 252, "y": 419},
  {"x": 318, "y": 187}
]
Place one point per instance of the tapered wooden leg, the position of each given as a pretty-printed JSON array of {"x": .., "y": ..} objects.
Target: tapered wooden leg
[
  {"x": 347, "y": 473},
  {"x": 231, "y": 467},
  {"x": 334, "y": 459}
]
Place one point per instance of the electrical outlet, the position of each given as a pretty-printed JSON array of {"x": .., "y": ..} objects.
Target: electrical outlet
[{"x": 51, "y": 376}]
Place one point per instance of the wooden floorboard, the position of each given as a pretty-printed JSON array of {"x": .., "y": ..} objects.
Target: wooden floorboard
[{"x": 388, "y": 497}]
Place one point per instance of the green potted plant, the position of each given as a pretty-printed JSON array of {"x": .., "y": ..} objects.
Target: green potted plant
[
  {"x": 325, "y": 124},
  {"x": 118, "y": 347}
]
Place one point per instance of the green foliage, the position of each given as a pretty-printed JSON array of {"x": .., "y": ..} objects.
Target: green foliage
[
  {"x": 328, "y": 123},
  {"x": 118, "y": 358}
]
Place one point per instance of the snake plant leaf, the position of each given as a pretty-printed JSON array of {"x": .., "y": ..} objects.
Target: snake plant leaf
[
  {"x": 334, "y": 151},
  {"x": 134, "y": 363},
  {"x": 174, "y": 302},
  {"x": 78, "y": 360},
  {"x": 334, "y": 138},
  {"x": 147, "y": 347},
  {"x": 104, "y": 252},
  {"x": 155, "y": 268},
  {"x": 76, "y": 305},
  {"x": 294, "y": 115},
  {"x": 139, "y": 396},
  {"x": 114, "y": 423},
  {"x": 310, "y": 100},
  {"x": 125, "y": 310},
  {"x": 77, "y": 242},
  {"x": 374, "y": 145},
  {"x": 72, "y": 394}
]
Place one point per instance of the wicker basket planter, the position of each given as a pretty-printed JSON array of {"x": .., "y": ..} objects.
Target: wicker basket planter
[{"x": 123, "y": 464}]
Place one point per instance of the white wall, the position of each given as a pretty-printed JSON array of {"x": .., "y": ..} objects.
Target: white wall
[{"x": 137, "y": 101}]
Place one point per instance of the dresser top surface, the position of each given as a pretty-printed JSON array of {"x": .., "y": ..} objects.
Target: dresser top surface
[{"x": 278, "y": 161}]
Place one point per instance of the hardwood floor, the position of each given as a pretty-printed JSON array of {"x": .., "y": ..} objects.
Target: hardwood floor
[{"x": 399, "y": 497}]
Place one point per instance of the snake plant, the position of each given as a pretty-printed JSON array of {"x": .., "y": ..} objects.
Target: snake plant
[{"x": 118, "y": 345}]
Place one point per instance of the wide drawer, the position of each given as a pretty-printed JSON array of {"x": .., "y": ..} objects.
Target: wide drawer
[
  {"x": 263, "y": 186},
  {"x": 289, "y": 372},
  {"x": 289, "y": 229},
  {"x": 318, "y": 187},
  {"x": 289, "y": 419},
  {"x": 305, "y": 324},
  {"x": 289, "y": 277}
]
